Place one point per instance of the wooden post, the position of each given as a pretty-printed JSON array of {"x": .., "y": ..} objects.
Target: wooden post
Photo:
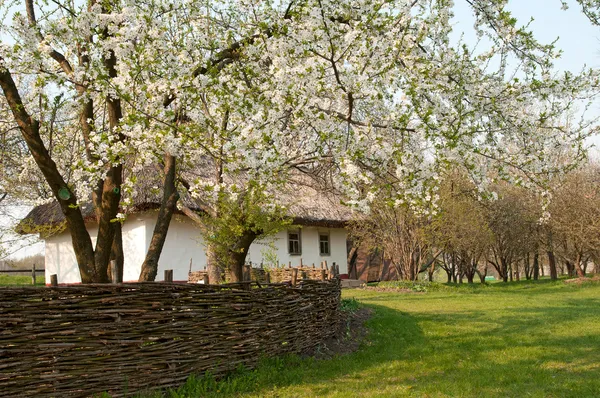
[
  {"x": 322, "y": 263},
  {"x": 247, "y": 274},
  {"x": 326, "y": 267},
  {"x": 168, "y": 275},
  {"x": 323, "y": 275},
  {"x": 334, "y": 269},
  {"x": 190, "y": 266},
  {"x": 33, "y": 274},
  {"x": 313, "y": 265},
  {"x": 205, "y": 279},
  {"x": 290, "y": 264},
  {"x": 113, "y": 272},
  {"x": 268, "y": 277},
  {"x": 294, "y": 276},
  {"x": 301, "y": 262},
  {"x": 54, "y": 280}
]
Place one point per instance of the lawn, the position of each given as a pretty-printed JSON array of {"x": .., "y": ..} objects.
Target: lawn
[
  {"x": 519, "y": 340},
  {"x": 12, "y": 280}
]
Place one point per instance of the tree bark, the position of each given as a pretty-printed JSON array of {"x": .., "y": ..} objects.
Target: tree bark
[
  {"x": 505, "y": 271},
  {"x": 236, "y": 256},
  {"x": 117, "y": 253},
  {"x": 552, "y": 265},
  {"x": 212, "y": 267},
  {"x": 536, "y": 266},
  {"x": 161, "y": 228},
  {"x": 578, "y": 269},
  {"x": 30, "y": 129}
]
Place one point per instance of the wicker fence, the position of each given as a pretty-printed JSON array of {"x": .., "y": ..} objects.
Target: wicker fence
[
  {"x": 276, "y": 274},
  {"x": 80, "y": 340}
]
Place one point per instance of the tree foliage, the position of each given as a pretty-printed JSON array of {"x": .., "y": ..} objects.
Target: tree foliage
[{"x": 345, "y": 91}]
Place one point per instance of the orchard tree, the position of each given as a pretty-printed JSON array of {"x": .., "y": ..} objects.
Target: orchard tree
[
  {"x": 399, "y": 233},
  {"x": 460, "y": 229},
  {"x": 511, "y": 218},
  {"x": 360, "y": 94},
  {"x": 575, "y": 218}
]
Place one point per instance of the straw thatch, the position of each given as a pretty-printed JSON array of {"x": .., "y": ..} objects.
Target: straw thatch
[
  {"x": 81, "y": 340},
  {"x": 306, "y": 203}
]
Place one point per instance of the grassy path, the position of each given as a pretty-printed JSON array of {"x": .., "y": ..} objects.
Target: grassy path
[{"x": 521, "y": 340}]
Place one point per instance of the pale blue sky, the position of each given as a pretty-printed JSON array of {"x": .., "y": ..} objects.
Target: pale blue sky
[{"x": 577, "y": 37}]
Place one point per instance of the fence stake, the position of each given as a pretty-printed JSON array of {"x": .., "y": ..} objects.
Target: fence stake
[
  {"x": 168, "y": 275},
  {"x": 323, "y": 275},
  {"x": 334, "y": 269},
  {"x": 114, "y": 273},
  {"x": 205, "y": 279},
  {"x": 294, "y": 276},
  {"x": 300, "y": 262},
  {"x": 54, "y": 280},
  {"x": 268, "y": 277},
  {"x": 33, "y": 274}
]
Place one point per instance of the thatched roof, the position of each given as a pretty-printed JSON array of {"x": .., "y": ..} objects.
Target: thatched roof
[{"x": 306, "y": 204}]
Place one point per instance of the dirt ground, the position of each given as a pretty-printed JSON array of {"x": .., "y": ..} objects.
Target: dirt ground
[{"x": 350, "y": 334}]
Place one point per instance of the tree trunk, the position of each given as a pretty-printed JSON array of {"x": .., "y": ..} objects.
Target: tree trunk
[
  {"x": 580, "y": 272},
  {"x": 236, "y": 256},
  {"x": 536, "y": 266},
  {"x": 30, "y": 129},
  {"x": 482, "y": 276},
  {"x": 504, "y": 267},
  {"x": 117, "y": 253},
  {"x": 552, "y": 265},
  {"x": 212, "y": 267},
  {"x": 165, "y": 213},
  {"x": 527, "y": 266},
  {"x": 570, "y": 268}
]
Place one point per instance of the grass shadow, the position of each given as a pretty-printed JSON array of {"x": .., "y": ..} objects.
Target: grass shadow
[
  {"x": 390, "y": 336},
  {"x": 541, "y": 341}
]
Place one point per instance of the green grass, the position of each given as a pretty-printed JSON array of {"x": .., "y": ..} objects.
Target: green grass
[
  {"x": 13, "y": 280},
  {"x": 527, "y": 339}
]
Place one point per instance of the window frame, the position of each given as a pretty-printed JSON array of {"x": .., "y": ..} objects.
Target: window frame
[
  {"x": 328, "y": 235},
  {"x": 299, "y": 240}
]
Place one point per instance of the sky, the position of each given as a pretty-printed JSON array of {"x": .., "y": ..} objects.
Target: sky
[{"x": 577, "y": 37}]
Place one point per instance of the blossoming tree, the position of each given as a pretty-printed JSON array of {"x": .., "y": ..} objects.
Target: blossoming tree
[{"x": 369, "y": 90}]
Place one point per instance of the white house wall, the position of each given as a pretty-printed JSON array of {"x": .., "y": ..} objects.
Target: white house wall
[
  {"x": 60, "y": 259},
  {"x": 134, "y": 247},
  {"x": 261, "y": 251},
  {"x": 184, "y": 243}
]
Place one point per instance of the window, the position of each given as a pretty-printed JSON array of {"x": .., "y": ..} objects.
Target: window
[
  {"x": 324, "y": 244},
  {"x": 294, "y": 243}
]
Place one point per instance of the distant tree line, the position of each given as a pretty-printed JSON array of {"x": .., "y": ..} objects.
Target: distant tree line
[{"x": 515, "y": 231}]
